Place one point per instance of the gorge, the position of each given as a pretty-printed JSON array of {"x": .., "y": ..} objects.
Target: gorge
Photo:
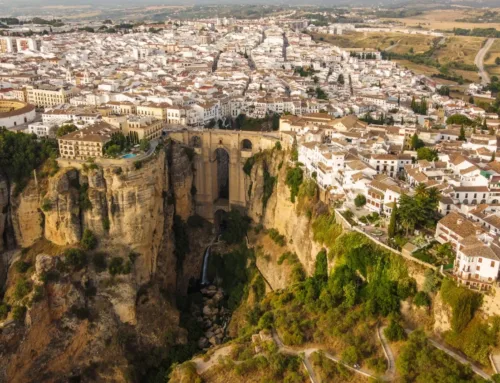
[{"x": 123, "y": 272}]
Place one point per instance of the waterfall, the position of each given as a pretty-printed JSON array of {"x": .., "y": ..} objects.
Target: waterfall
[{"x": 204, "y": 277}]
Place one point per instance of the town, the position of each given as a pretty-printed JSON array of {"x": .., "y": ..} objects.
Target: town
[{"x": 397, "y": 156}]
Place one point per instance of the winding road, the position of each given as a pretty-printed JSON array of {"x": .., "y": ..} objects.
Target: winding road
[
  {"x": 307, "y": 352},
  {"x": 479, "y": 61},
  {"x": 391, "y": 362}
]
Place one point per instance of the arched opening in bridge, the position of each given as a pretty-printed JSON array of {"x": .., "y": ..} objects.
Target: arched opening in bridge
[
  {"x": 222, "y": 157},
  {"x": 246, "y": 144},
  {"x": 195, "y": 142}
]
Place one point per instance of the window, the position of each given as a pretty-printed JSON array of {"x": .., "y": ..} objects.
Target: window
[
  {"x": 478, "y": 268},
  {"x": 480, "y": 260},
  {"x": 492, "y": 263}
]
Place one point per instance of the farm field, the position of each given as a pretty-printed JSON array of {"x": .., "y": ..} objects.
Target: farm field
[
  {"x": 489, "y": 60},
  {"x": 444, "y": 20},
  {"x": 395, "y": 42},
  {"x": 459, "y": 49}
]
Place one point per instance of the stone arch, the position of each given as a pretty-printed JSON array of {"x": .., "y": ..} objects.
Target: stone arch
[
  {"x": 246, "y": 144},
  {"x": 465, "y": 202},
  {"x": 222, "y": 179},
  {"x": 474, "y": 202},
  {"x": 195, "y": 142},
  {"x": 495, "y": 201}
]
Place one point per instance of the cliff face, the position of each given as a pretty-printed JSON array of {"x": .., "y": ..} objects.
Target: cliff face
[
  {"x": 280, "y": 213},
  {"x": 4, "y": 207},
  {"x": 62, "y": 218},
  {"x": 88, "y": 323}
]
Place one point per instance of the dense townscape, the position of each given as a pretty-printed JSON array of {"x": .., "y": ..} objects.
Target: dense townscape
[
  {"x": 363, "y": 126},
  {"x": 402, "y": 164}
]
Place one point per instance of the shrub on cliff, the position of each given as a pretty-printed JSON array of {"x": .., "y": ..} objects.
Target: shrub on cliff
[
  {"x": 22, "y": 266},
  {"x": 463, "y": 302},
  {"x": 89, "y": 240},
  {"x": 294, "y": 178},
  {"x": 19, "y": 313},
  {"x": 75, "y": 258},
  {"x": 23, "y": 288},
  {"x": 4, "y": 311},
  {"x": 422, "y": 299}
]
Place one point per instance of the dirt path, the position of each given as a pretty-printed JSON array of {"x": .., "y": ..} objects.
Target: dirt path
[
  {"x": 307, "y": 352},
  {"x": 391, "y": 363},
  {"x": 479, "y": 61},
  {"x": 202, "y": 366},
  {"x": 391, "y": 47}
]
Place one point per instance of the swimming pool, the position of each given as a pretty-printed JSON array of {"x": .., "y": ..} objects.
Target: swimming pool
[{"x": 129, "y": 155}]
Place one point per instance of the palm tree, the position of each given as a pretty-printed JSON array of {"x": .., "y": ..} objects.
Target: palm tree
[{"x": 421, "y": 190}]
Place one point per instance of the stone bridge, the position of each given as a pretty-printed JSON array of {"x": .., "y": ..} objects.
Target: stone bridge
[{"x": 220, "y": 156}]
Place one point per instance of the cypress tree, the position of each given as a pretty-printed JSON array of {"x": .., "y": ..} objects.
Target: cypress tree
[
  {"x": 391, "y": 230},
  {"x": 461, "y": 137}
]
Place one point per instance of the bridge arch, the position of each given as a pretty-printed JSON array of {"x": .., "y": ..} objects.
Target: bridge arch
[
  {"x": 246, "y": 144},
  {"x": 222, "y": 161}
]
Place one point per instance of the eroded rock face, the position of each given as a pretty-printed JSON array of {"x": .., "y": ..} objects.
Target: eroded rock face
[
  {"x": 97, "y": 336},
  {"x": 280, "y": 213},
  {"x": 182, "y": 182},
  {"x": 4, "y": 206},
  {"x": 62, "y": 220},
  {"x": 27, "y": 217}
]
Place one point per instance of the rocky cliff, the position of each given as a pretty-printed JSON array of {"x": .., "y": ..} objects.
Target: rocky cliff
[
  {"x": 280, "y": 213},
  {"x": 89, "y": 322}
]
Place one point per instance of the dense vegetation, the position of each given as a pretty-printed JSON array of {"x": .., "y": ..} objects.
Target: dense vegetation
[
  {"x": 421, "y": 362},
  {"x": 414, "y": 212},
  {"x": 21, "y": 153},
  {"x": 367, "y": 283}
]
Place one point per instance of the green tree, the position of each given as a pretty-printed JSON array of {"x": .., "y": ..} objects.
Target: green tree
[
  {"x": 461, "y": 136},
  {"x": 416, "y": 142},
  {"x": 422, "y": 299},
  {"x": 321, "y": 266},
  {"x": 89, "y": 240},
  {"x": 360, "y": 200},
  {"x": 459, "y": 119},
  {"x": 427, "y": 154},
  {"x": 294, "y": 178},
  {"x": 394, "y": 331},
  {"x": 144, "y": 145},
  {"x": 65, "y": 129},
  {"x": 392, "y": 228}
]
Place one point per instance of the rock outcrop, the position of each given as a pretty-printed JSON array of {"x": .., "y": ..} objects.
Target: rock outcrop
[
  {"x": 4, "y": 208},
  {"x": 92, "y": 325},
  {"x": 62, "y": 215},
  {"x": 280, "y": 213},
  {"x": 27, "y": 221}
]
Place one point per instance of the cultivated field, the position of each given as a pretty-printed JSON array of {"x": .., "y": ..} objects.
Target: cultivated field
[
  {"x": 489, "y": 60},
  {"x": 444, "y": 20},
  {"x": 394, "y": 42},
  {"x": 459, "y": 49}
]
